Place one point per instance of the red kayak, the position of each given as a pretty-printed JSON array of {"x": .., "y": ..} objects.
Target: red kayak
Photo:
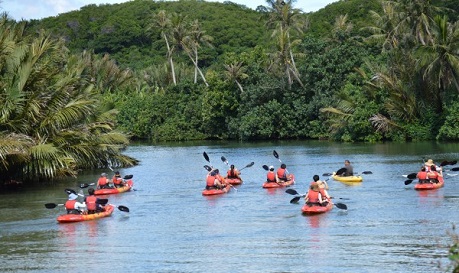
[
  {"x": 127, "y": 187},
  {"x": 206, "y": 192},
  {"x": 70, "y": 218},
  {"x": 271, "y": 185},
  {"x": 316, "y": 209},
  {"x": 430, "y": 186},
  {"x": 233, "y": 181}
]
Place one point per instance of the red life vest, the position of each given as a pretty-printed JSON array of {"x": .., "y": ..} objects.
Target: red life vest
[
  {"x": 232, "y": 173},
  {"x": 118, "y": 181},
  {"x": 210, "y": 181},
  {"x": 422, "y": 175},
  {"x": 91, "y": 202},
  {"x": 432, "y": 175},
  {"x": 271, "y": 177},
  {"x": 282, "y": 173},
  {"x": 313, "y": 196},
  {"x": 115, "y": 178},
  {"x": 102, "y": 181},
  {"x": 70, "y": 204}
]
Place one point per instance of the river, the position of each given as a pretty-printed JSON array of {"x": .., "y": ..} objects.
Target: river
[{"x": 171, "y": 227}]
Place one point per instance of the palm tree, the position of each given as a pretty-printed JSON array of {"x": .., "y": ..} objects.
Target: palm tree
[
  {"x": 236, "y": 72},
  {"x": 286, "y": 22},
  {"x": 192, "y": 43},
  {"x": 52, "y": 122},
  {"x": 440, "y": 58},
  {"x": 162, "y": 21}
]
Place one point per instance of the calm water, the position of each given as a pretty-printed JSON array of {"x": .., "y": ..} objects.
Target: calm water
[{"x": 171, "y": 227}]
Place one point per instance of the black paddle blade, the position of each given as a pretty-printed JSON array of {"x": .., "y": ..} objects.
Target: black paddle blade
[
  {"x": 276, "y": 155},
  {"x": 50, "y": 205},
  {"x": 455, "y": 169},
  {"x": 454, "y": 162},
  {"x": 340, "y": 206},
  {"x": 291, "y": 191},
  {"x": 341, "y": 171},
  {"x": 444, "y": 163},
  {"x": 224, "y": 160},
  {"x": 407, "y": 182},
  {"x": 265, "y": 167},
  {"x": 250, "y": 165},
  {"x": 102, "y": 201},
  {"x": 84, "y": 185},
  {"x": 412, "y": 176},
  {"x": 206, "y": 157},
  {"x": 69, "y": 191},
  {"x": 208, "y": 168},
  {"x": 327, "y": 174},
  {"x": 129, "y": 176},
  {"x": 123, "y": 208},
  {"x": 295, "y": 200},
  {"x": 367, "y": 172}
]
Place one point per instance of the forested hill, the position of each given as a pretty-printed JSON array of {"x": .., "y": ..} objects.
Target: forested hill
[{"x": 356, "y": 70}]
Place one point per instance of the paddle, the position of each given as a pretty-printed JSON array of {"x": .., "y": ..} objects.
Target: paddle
[
  {"x": 294, "y": 192},
  {"x": 85, "y": 185},
  {"x": 265, "y": 167},
  {"x": 224, "y": 160},
  {"x": 206, "y": 157},
  {"x": 120, "y": 207},
  {"x": 276, "y": 155},
  {"x": 248, "y": 165},
  {"x": 338, "y": 205},
  {"x": 343, "y": 170}
]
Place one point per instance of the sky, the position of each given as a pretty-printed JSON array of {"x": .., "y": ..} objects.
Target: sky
[{"x": 38, "y": 9}]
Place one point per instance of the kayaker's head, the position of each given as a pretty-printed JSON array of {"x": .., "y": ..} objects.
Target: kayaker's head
[
  {"x": 117, "y": 174},
  {"x": 315, "y": 178},
  {"x": 91, "y": 191},
  {"x": 232, "y": 167},
  {"x": 103, "y": 175},
  {"x": 73, "y": 196},
  {"x": 432, "y": 168},
  {"x": 216, "y": 171},
  {"x": 347, "y": 162},
  {"x": 429, "y": 162},
  {"x": 283, "y": 166},
  {"x": 314, "y": 187},
  {"x": 271, "y": 168}
]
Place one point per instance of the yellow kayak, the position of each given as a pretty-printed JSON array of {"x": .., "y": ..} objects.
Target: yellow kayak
[{"x": 353, "y": 179}]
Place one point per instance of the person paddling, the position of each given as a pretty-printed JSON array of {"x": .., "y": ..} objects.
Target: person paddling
[
  {"x": 73, "y": 206},
  {"x": 271, "y": 175},
  {"x": 92, "y": 204},
  {"x": 422, "y": 176},
  {"x": 323, "y": 186},
  {"x": 314, "y": 197},
  {"x": 103, "y": 182},
  {"x": 233, "y": 173},
  {"x": 214, "y": 180},
  {"x": 282, "y": 174}
]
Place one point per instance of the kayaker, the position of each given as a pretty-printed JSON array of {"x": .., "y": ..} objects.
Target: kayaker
[
  {"x": 233, "y": 173},
  {"x": 433, "y": 175},
  {"x": 73, "y": 206},
  {"x": 214, "y": 180},
  {"x": 323, "y": 186},
  {"x": 92, "y": 204},
  {"x": 314, "y": 197},
  {"x": 429, "y": 163},
  {"x": 282, "y": 174},
  {"x": 103, "y": 182},
  {"x": 115, "y": 177},
  {"x": 271, "y": 176},
  {"x": 349, "y": 169},
  {"x": 422, "y": 175}
]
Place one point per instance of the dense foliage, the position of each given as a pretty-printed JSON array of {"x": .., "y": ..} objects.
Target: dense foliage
[{"x": 354, "y": 71}]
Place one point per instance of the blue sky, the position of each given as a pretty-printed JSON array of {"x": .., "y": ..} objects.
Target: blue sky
[{"x": 38, "y": 9}]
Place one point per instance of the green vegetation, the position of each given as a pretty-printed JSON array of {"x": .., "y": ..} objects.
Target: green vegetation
[{"x": 357, "y": 70}]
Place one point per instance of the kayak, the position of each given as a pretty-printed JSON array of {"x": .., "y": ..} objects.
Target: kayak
[
  {"x": 271, "y": 185},
  {"x": 127, "y": 187},
  {"x": 430, "y": 186},
  {"x": 233, "y": 181},
  {"x": 316, "y": 209},
  {"x": 352, "y": 179},
  {"x": 226, "y": 189},
  {"x": 70, "y": 218}
]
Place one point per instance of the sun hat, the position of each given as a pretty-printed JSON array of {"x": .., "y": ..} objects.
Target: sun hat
[
  {"x": 429, "y": 162},
  {"x": 271, "y": 168},
  {"x": 103, "y": 174},
  {"x": 73, "y": 196}
]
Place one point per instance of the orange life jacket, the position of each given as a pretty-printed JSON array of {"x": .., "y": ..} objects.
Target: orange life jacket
[
  {"x": 313, "y": 196},
  {"x": 70, "y": 204},
  {"x": 232, "y": 173},
  {"x": 102, "y": 181},
  {"x": 271, "y": 177},
  {"x": 91, "y": 202},
  {"x": 210, "y": 181},
  {"x": 115, "y": 178},
  {"x": 118, "y": 181},
  {"x": 282, "y": 173},
  {"x": 432, "y": 175},
  {"x": 422, "y": 175}
]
